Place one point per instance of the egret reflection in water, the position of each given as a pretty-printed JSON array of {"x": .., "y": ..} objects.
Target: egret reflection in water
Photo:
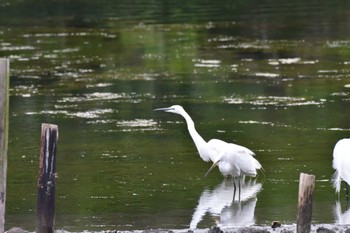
[
  {"x": 339, "y": 216},
  {"x": 220, "y": 203}
]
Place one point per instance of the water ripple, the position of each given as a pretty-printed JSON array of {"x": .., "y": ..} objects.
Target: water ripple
[
  {"x": 92, "y": 97},
  {"x": 333, "y": 129},
  {"x": 273, "y": 101},
  {"x": 129, "y": 125},
  {"x": 100, "y": 96},
  {"x": 80, "y": 114},
  {"x": 207, "y": 63},
  {"x": 265, "y": 123},
  {"x": 15, "y": 48},
  {"x": 137, "y": 123}
]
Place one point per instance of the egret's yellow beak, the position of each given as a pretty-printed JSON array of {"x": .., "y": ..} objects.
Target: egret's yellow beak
[
  {"x": 211, "y": 168},
  {"x": 163, "y": 109}
]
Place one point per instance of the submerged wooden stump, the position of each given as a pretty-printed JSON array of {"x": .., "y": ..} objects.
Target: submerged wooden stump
[
  {"x": 47, "y": 179},
  {"x": 306, "y": 189},
  {"x": 4, "y": 112}
]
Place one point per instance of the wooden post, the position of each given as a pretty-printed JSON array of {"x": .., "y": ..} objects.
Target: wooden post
[
  {"x": 306, "y": 189},
  {"x": 47, "y": 179},
  {"x": 4, "y": 116}
]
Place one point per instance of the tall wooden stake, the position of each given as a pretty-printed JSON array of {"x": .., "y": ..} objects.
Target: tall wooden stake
[
  {"x": 4, "y": 126},
  {"x": 47, "y": 179},
  {"x": 306, "y": 189}
]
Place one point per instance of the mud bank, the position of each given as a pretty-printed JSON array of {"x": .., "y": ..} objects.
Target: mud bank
[
  {"x": 319, "y": 228},
  {"x": 322, "y": 228}
]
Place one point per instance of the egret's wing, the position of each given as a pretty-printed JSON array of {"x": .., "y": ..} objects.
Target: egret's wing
[
  {"x": 216, "y": 148},
  {"x": 336, "y": 181},
  {"x": 345, "y": 168},
  {"x": 341, "y": 159},
  {"x": 243, "y": 158},
  {"x": 235, "y": 156}
]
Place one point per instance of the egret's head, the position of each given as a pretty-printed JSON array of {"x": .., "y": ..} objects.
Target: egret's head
[{"x": 173, "y": 109}]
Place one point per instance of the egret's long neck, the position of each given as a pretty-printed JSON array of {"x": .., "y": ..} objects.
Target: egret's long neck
[{"x": 198, "y": 140}]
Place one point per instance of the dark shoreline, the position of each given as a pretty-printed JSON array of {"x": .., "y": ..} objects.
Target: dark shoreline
[{"x": 317, "y": 228}]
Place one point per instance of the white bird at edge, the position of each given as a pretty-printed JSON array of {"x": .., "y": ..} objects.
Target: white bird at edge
[
  {"x": 232, "y": 160},
  {"x": 341, "y": 164}
]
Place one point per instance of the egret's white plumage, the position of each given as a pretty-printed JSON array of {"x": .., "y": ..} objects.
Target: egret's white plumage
[
  {"x": 232, "y": 160},
  {"x": 341, "y": 163}
]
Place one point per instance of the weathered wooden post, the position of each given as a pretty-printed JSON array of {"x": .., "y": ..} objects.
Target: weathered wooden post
[
  {"x": 4, "y": 116},
  {"x": 306, "y": 189},
  {"x": 47, "y": 179}
]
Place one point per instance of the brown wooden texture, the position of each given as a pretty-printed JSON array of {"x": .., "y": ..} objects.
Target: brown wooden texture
[
  {"x": 47, "y": 179},
  {"x": 305, "y": 198},
  {"x": 4, "y": 113}
]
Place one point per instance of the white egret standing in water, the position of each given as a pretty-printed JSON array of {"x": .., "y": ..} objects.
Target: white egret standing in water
[
  {"x": 232, "y": 160},
  {"x": 341, "y": 164}
]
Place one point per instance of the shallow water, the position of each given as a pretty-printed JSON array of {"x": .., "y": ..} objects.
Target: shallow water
[{"x": 272, "y": 77}]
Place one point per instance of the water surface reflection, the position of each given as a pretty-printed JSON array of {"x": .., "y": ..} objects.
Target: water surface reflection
[
  {"x": 219, "y": 203},
  {"x": 339, "y": 216},
  {"x": 257, "y": 75}
]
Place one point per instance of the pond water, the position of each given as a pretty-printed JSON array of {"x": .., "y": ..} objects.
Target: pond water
[{"x": 271, "y": 76}]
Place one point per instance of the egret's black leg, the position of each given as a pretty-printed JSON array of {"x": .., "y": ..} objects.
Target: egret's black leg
[
  {"x": 234, "y": 189},
  {"x": 239, "y": 189},
  {"x": 347, "y": 196}
]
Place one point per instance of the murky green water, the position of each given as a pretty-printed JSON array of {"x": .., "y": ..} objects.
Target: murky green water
[{"x": 272, "y": 76}]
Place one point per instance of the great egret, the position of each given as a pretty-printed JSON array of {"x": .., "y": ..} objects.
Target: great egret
[
  {"x": 341, "y": 164},
  {"x": 232, "y": 160}
]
